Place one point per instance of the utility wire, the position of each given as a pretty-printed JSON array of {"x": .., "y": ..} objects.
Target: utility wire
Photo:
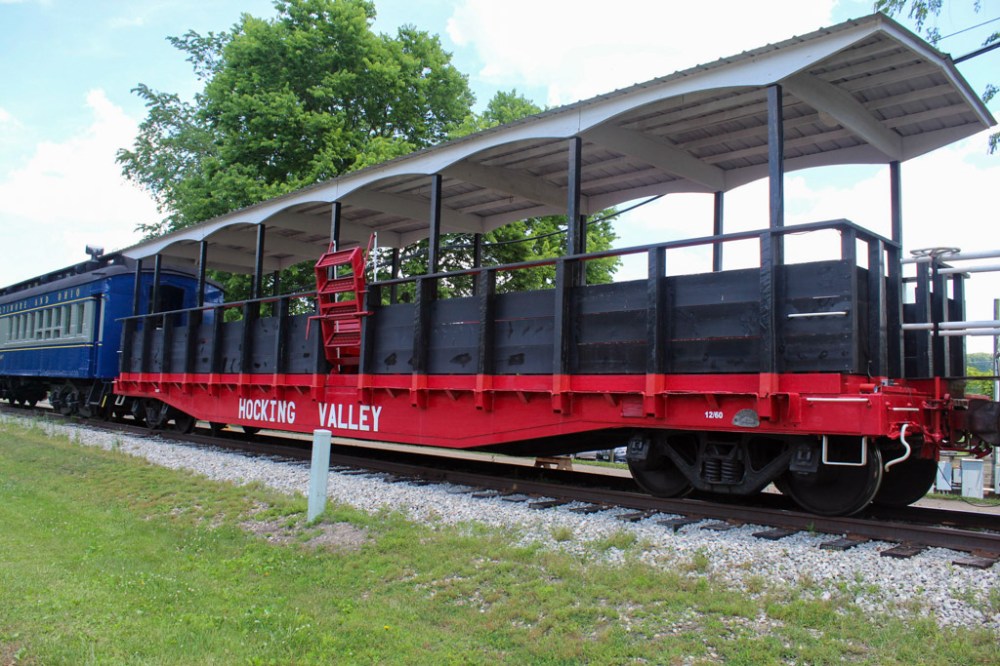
[{"x": 973, "y": 27}]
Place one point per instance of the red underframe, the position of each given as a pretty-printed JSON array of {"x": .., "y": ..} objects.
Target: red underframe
[{"x": 468, "y": 411}]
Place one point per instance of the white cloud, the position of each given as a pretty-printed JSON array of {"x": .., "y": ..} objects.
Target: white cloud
[
  {"x": 584, "y": 50},
  {"x": 69, "y": 194}
]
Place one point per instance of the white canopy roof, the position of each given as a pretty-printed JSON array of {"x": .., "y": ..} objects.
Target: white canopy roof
[{"x": 863, "y": 91}]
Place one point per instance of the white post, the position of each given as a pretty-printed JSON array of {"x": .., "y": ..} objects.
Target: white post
[{"x": 319, "y": 472}]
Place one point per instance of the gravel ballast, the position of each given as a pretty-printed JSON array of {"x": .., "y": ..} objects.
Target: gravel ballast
[{"x": 927, "y": 584}]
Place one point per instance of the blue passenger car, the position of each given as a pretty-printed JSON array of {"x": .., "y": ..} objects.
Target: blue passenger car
[{"x": 60, "y": 333}]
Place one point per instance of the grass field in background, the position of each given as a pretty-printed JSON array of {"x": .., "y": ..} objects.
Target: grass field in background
[{"x": 105, "y": 559}]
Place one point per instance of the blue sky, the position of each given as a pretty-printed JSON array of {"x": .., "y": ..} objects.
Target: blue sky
[{"x": 68, "y": 67}]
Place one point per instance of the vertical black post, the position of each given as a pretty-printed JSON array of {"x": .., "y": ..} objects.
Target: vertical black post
[
  {"x": 131, "y": 325},
  {"x": 202, "y": 271},
  {"x": 576, "y": 241},
  {"x": 251, "y": 311},
  {"x": 772, "y": 243},
  {"x": 373, "y": 300},
  {"x": 276, "y": 283},
  {"x": 717, "y": 230},
  {"x": 154, "y": 301},
  {"x": 849, "y": 255},
  {"x": 776, "y": 166},
  {"x": 656, "y": 312},
  {"x": 939, "y": 313},
  {"x": 258, "y": 264},
  {"x": 562, "y": 348},
  {"x": 878, "y": 346},
  {"x": 894, "y": 282},
  {"x": 218, "y": 353},
  {"x": 896, "y": 201},
  {"x": 280, "y": 351},
  {"x": 194, "y": 320},
  {"x": 768, "y": 317},
  {"x": 335, "y": 209},
  {"x": 137, "y": 289},
  {"x": 956, "y": 312},
  {"x": 922, "y": 348},
  {"x": 394, "y": 268},
  {"x": 477, "y": 260},
  {"x": 486, "y": 292},
  {"x": 422, "y": 324},
  {"x": 167, "y": 343},
  {"x": 434, "y": 240}
]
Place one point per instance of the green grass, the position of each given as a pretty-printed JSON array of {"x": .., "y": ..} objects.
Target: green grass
[
  {"x": 989, "y": 500},
  {"x": 107, "y": 560}
]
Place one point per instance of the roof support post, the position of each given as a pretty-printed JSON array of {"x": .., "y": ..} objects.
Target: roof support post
[
  {"x": 477, "y": 260},
  {"x": 335, "y": 209},
  {"x": 137, "y": 289},
  {"x": 434, "y": 240},
  {"x": 154, "y": 302},
  {"x": 772, "y": 251},
  {"x": 894, "y": 282},
  {"x": 202, "y": 271},
  {"x": 717, "y": 225},
  {"x": 576, "y": 222},
  {"x": 896, "y": 201},
  {"x": 258, "y": 264},
  {"x": 394, "y": 274},
  {"x": 776, "y": 160}
]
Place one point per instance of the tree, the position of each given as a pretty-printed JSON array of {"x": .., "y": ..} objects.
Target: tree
[
  {"x": 288, "y": 102},
  {"x": 304, "y": 97},
  {"x": 921, "y": 11}
]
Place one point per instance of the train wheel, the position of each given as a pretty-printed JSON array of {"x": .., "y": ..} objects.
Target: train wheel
[
  {"x": 184, "y": 423},
  {"x": 250, "y": 430},
  {"x": 217, "y": 427},
  {"x": 906, "y": 482},
  {"x": 155, "y": 413},
  {"x": 68, "y": 400},
  {"x": 836, "y": 490},
  {"x": 653, "y": 469}
]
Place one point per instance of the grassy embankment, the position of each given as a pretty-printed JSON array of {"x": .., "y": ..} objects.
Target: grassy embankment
[{"x": 106, "y": 559}]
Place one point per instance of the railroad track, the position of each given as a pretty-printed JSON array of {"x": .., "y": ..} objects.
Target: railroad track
[{"x": 910, "y": 530}]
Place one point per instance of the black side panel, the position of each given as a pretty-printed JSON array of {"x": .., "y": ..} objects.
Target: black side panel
[
  {"x": 714, "y": 322},
  {"x": 826, "y": 341},
  {"x": 155, "y": 351},
  {"x": 611, "y": 328},
  {"x": 302, "y": 356},
  {"x": 524, "y": 333},
  {"x": 262, "y": 355},
  {"x": 454, "y": 336},
  {"x": 232, "y": 347},
  {"x": 393, "y": 344},
  {"x": 203, "y": 360}
]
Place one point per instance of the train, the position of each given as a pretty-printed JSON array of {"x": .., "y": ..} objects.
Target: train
[
  {"x": 829, "y": 377},
  {"x": 60, "y": 333}
]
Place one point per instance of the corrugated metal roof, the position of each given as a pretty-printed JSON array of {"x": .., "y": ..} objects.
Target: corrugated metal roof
[{"x": 863, "y": 91}]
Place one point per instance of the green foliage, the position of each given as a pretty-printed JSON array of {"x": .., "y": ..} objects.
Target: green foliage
[
  {"x": 288, "y": 102},
  {"x": 921, "y": 12},
  {"x": 979, "y": 386}
]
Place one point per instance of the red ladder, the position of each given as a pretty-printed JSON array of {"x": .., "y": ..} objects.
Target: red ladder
[{"x": 340, "y": 290}]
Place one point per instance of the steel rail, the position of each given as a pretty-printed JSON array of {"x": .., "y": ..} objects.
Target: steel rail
[{"x": 881, "y": 524}]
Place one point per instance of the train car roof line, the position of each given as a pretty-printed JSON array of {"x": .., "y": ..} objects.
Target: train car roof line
[{"x": 866, "y": 91}]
